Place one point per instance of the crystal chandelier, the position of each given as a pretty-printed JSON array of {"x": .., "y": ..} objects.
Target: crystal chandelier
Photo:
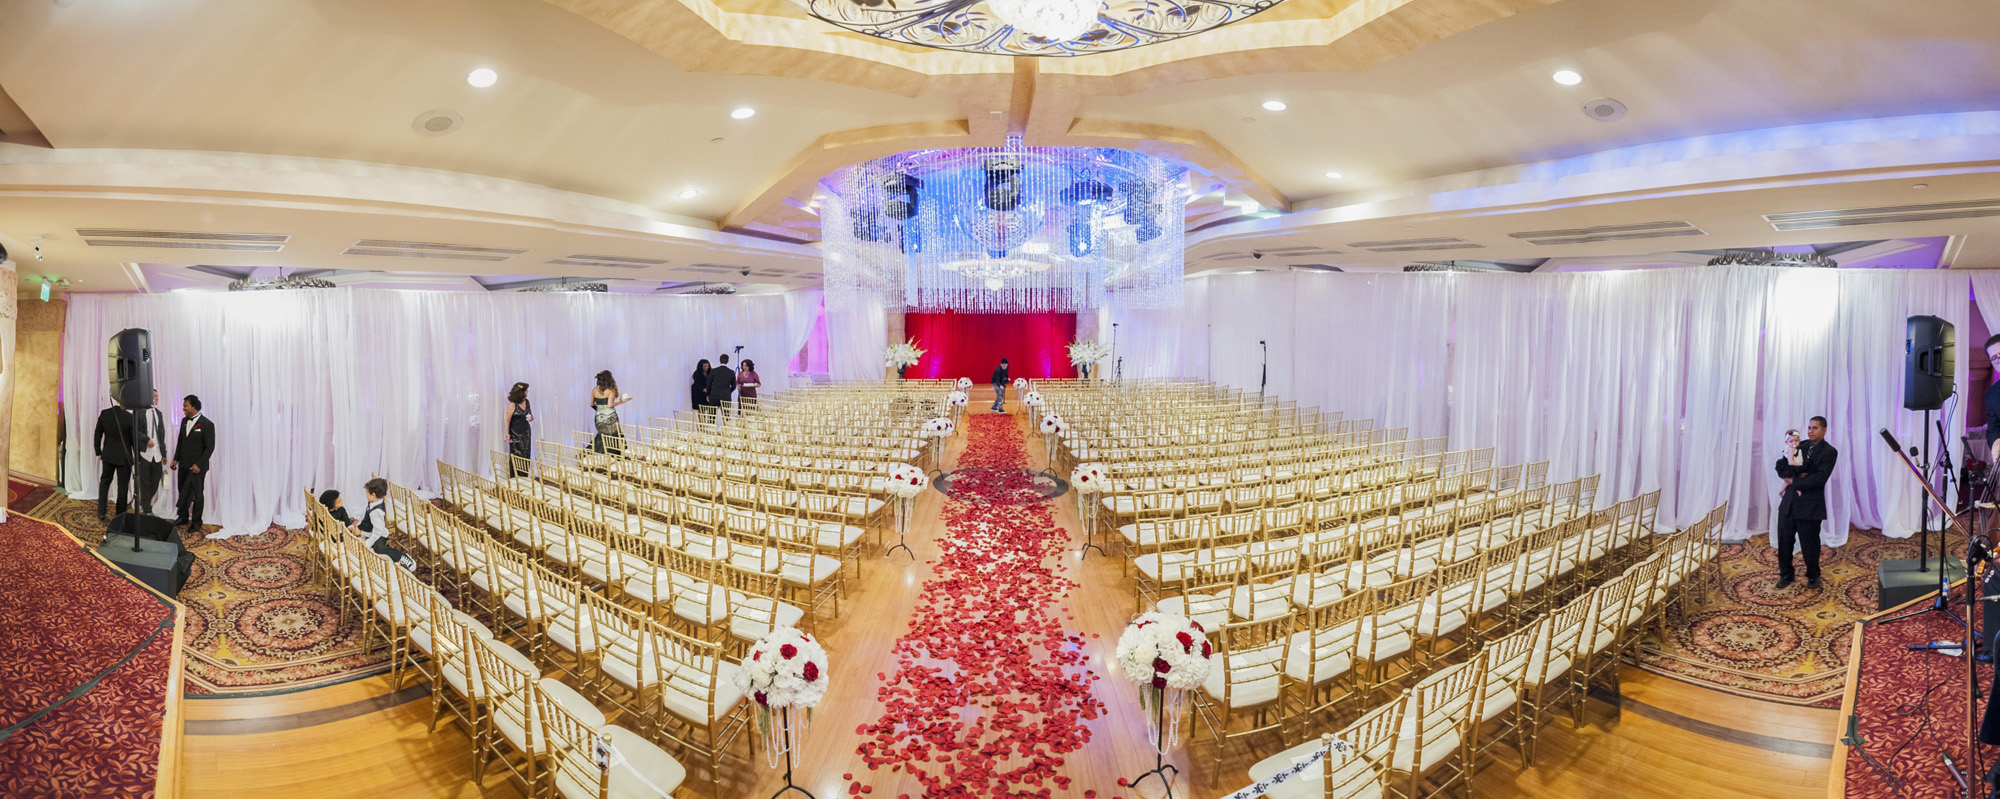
[
  {"x": 279, "y": 283},
  {"x": 1004, "y": 230},
  {"x": 1772, "y": 258},
  {"x": 1052, "y": 28}
]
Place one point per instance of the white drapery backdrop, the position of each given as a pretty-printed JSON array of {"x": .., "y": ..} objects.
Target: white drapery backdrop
[
  {"x": 1678, "y": 379},
  {"x": 324, "y": 388},
  {"x": 856, "y": 337}
]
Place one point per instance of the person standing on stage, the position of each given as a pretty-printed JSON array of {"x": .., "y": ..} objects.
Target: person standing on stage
[
  {"x": 1803, "y": 504},
  {"x": 520, "y": 430},
  {"x": 113, "y": 442},
  {"x": 1000, "y": 386},
  {"x": 721, "y": 384},
  {"x": 191, "y": 451},
  {"x": 150, "y": 431}
]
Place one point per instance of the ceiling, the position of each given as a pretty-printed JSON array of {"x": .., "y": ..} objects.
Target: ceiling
[{"x": 294, "y": 118}]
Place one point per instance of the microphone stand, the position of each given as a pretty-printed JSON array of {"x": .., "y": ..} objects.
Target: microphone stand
[
  {"x": 1264, "y": 377},
  {"x": 1973, "y": 552}
]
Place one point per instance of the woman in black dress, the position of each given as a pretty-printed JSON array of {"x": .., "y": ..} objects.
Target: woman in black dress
[
  {"x": 520, "y": 430},
  {"x": 699, "y": 390}
]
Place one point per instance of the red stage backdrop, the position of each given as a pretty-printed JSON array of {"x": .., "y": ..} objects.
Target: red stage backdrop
[{"x": 971, "y": 344}]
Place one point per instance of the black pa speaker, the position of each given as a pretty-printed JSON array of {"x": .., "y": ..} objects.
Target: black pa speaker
[
  {"x": 131, "y": 354},
  {"x": 163, "y": 565},
  {"x": 1929, "y": 358}
]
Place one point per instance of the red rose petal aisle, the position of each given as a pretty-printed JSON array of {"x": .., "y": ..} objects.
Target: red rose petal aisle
[{"x": 989, "y": 693}]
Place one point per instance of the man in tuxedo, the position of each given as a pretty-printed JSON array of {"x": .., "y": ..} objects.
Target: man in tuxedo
[
  {"x": 1000, "y": 386},
  {"x": 112, "y": 441},
  {"x": 1803, "y": 503},
  {"x": 191, "y": 451},
  {"x": 149, "y": 431},
  {"x": 721, "y": 384}
]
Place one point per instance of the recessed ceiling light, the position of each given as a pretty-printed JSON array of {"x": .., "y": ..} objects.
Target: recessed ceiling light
[
  {"x": 1921, "y": 186},
  {"x": 745, "y": 112},
  {"x": 1333, "y": 175},
  {"x": 482, "y": 77},
  {"x": 1274, "y": 105},
  {"x": 689, "y": 194},
  {"x": 1567, "y": 77}
]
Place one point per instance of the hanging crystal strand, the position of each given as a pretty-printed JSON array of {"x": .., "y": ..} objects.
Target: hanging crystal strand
[{"x": 770, "y": 732}]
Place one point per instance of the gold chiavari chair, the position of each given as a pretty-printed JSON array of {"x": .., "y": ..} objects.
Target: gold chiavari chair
[
  {"x": 704, "y": 708},
  {"x": 514, "y": 736},
  {"x": 1428, "y": 758},
  {"x": 1246, "y": 680},
  {"x": 1498, "y": 713},
  {"x": 1319, "y": 663},
  {"x": 577, "y": 772},
  {"x": 1353, "y": 774},
  {"x": 1547, "y": 683}
]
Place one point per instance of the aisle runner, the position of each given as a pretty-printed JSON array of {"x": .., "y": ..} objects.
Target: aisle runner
[{"x": 989, "y": 692}]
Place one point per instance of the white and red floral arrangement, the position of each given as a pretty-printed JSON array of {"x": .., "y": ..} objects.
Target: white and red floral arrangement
[
  {"x": 785, "y": 669},
  {"x": 1166, "y": 655}
]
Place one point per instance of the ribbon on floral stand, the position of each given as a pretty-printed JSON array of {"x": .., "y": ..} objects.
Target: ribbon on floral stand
[
  {"x": 1087, "y": 480},
  {"x": 1165, "y": 655},
  {"x": 905, "y": 483},
  {"x": 785, "y": 671}
]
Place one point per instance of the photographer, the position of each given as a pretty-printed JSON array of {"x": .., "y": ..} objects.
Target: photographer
[{"x": 1805, "y": 467}]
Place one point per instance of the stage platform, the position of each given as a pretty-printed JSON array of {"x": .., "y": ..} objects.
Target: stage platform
[
  {"x": 91, "y": 661},
  {"x": 1909, "y": 709}
]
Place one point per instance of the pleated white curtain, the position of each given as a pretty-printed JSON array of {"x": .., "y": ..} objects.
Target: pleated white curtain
[
  {"x": 856, "y": 337},
  {"x": 1682, "y": 380},
  {"x": 802, "y": 308},
  {"x": 1164, "y": 342},
  {"x": 322, "y": 389},
  {"x": 1402, "y": 380}
]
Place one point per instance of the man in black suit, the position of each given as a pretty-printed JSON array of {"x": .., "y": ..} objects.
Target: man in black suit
[
  {"x": 149, "y": 437},
  {"x": 721, "y": 384},
  {"x": 191, "y": 451},
  {"x": 1803, "y": 503},
  {"x": 113, "y": 442}
]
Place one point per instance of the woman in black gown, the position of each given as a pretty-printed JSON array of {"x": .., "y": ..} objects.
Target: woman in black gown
[
  {"x": 520, "y": 430},
  {"x": 698, "y": 391}
]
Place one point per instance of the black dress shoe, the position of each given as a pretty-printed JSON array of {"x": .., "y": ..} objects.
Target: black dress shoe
[
  {"x": 1783, "y": 584},
  {"x": 180, "y": 522},
  {"x": 1813, "y": 583}
]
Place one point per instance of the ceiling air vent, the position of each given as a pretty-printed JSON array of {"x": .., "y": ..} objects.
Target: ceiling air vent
[
  {"x": 1413, "y": 245},
  {"x": 608, "y": 261},
  {"x": 711, "y": 268},
  {"x": 186, "y": 245},
  {"x": 1592, "y": 235},
  {"x": 1851, "y": 217},
  {"x": 418, "y": 249},
  {"x": 1297, "y": 252},
  {"x": 123, "y": 233},
  {"x": 182, "y": 239}
]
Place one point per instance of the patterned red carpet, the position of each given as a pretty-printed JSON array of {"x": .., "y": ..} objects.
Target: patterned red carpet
[
  {"x": 1912, "y": 709},
  {"x": 989, "y": 693},
  {"x": 1790, "y": 646},
  {"x": 66, "y": 619},
  {"x": 257, "y": 620}
]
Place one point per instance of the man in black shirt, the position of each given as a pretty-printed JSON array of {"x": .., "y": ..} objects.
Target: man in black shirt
[{"x": 1000, "y": 386}]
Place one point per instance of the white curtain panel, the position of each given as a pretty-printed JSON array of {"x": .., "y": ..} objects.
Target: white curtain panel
[
  {"x": 856, "y": 337},
  {"x": 321, "y": 389},
  {"x": 1166, "y": 342},
  {"x": 1681, "y": 380},
  {"x": 1393, "y": 333},
  {"x": 802, "y": 308}
]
